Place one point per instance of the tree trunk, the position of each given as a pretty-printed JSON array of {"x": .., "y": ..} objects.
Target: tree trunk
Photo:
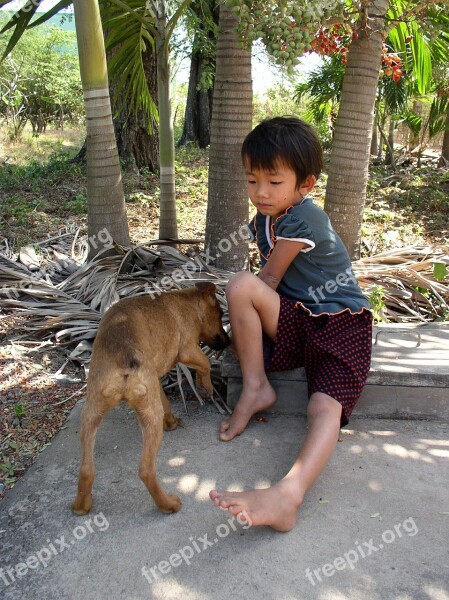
[
  {"x": 374, "y": 138},
  {"x": 349, "y": 162},
  {"x": 227, "y": 208},
  {"x": 167, "y": 217},
  {"x": 106, "y": 213},
  {"x": 413, "y": 139},
  {"x": 136, "y": 147},
  {"x": 445, "y": 147},
  {"x": 389, "y": 155},
  {"x": 198, "y": 107}
]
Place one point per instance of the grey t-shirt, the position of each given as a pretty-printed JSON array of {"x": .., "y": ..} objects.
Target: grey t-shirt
[{"x": 321, "y": 276}]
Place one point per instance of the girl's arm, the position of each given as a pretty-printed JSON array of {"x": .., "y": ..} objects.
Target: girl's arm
[{"x": 281, "y": 257}]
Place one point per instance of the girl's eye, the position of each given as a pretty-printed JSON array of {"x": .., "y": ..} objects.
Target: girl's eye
[
  {"x": 250, "y": 181},
  {"x": 276, "y": 182}
]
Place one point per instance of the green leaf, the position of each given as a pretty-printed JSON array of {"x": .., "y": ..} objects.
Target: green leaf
[
  {"x": 49, "y": 14},
  {"x": 130, "y": 30},
  {"x": 19, "y": 21},
  {"x": 439, "y": 271},
  {"x": 19, "y": 411}
]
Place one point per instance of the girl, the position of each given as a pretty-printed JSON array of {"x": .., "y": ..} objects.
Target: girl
[{"x": 305, "y": 308}]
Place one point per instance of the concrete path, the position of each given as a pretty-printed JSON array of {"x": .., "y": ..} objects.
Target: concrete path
[{"x": 374, "y": 527}]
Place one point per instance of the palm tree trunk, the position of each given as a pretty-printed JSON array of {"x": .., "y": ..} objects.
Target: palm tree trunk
[
  {"x": 389, "y": 155},
  {"x": 227, "y": 208},
  {"x": 198, "y": 107},
  {"x": 445, "y": 146},
  {"x": 167, "y": 217},
  {"x": 137, "y": 147},
  {"x": 348, "y": 169},
  {"x": 106, "y": 213},
  {"x": 374, "y": 149}
]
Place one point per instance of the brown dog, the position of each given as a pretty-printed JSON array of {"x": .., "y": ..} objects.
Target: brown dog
[{"x": 139, "y": 340}]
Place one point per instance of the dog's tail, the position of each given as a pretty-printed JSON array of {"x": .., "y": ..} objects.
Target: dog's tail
[
  {"x": 126, "y": 384},
  {"x": 129, "y": 357}
]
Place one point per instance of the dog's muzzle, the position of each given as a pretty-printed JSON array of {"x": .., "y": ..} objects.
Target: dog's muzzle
[{"x": 220, "y": 342}]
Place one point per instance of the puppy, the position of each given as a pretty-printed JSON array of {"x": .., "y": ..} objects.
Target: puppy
[{"x": 139, "y": 340}]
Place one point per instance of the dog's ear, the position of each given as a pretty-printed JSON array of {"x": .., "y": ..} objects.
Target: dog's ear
[{"x": 206, "y": 288}]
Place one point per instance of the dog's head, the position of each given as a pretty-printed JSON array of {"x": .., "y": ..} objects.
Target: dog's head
[{"x": 212, "y": 332}]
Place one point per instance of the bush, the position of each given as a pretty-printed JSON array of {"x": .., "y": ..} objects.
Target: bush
[{"x": 40, "y": 81}]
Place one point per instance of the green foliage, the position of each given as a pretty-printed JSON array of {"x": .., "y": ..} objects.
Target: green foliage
[
  {"x": 440, "y": 271},
  {"x": 130, "y": 31},
  {"x": 376, "y": 300},
  {"x": 276, "y": 102},
  {"x": 322, "y": 90},
  {"x": 40, "y": 81},
  {"x": 19, "y": 411},
  {"x": 430, "y": 124},
  {"x": 34, "y": 175},
  {"x": 201, "y": 24}
]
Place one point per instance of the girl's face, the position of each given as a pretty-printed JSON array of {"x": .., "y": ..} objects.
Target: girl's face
[{"x": 272, "y": 192}]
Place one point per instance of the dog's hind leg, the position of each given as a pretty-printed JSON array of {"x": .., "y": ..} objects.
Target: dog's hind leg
[
  {"x": 91, "y": 418},
  {"x": 170, "y": 421},
  {"x": 150, "y": 413}
]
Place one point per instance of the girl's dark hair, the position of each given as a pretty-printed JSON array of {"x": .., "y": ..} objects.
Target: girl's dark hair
[{"x": 286, "y": 140}]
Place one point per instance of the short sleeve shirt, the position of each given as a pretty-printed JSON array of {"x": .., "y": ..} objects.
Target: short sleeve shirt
[{"x": 320, "y": 278}]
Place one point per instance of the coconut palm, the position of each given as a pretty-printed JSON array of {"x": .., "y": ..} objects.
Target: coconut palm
[
  {"x": 348, "y": 169},
  {"x": 227, "y": 208},
  {"x": 105, "y": 197},
  {"x": 134, "y": 25}
]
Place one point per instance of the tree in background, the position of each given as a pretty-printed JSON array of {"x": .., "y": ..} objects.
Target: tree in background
[
  {"x": 356, "y": 30},
  {"x": 227, "y": 207},
  {"x": 40, "y": 81},
  {"x": 202, "y": 21},
  {"x": 135, "y": 124},
  {"x": 105, "y": 197},
  {"x": 323, "y": 88}
]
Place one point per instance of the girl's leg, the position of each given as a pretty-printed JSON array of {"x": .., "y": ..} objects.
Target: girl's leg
[
  {"x": 277, "y": 506},
  {"x": 253, "y": 308}
]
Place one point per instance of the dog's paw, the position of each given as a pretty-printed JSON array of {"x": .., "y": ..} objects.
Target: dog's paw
[
  {"x": 204, "y": 385},
  {"x": 204, "y": 391},
  {"x": 171, "y": 422},
  {"x": 82, "y": 506},
  {"x": 171, "y": 504}
]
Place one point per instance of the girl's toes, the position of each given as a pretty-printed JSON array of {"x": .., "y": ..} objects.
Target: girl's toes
[{"x": 224, "y": 426}]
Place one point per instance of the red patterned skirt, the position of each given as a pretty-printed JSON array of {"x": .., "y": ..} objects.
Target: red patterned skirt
[{"x": 334, "y": 349}]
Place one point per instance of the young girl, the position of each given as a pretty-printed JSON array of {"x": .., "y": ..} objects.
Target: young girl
[{"x": 305, "y": 308}]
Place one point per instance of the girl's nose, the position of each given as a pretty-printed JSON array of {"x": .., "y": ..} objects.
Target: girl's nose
[{"x": 262, "y": 191}]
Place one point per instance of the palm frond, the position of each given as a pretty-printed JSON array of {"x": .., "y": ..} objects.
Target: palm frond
[
  {"x": 19, "y": 21},
  {"x": 130, "y": 31}
]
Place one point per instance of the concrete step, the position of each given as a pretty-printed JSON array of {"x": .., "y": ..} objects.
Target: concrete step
[{"x": 409, "y": 375}]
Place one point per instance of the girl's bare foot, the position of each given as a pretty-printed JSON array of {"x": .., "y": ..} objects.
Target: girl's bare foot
[
  {"x": 252, "y": 400},
  {"x": 275, "y": 506}
]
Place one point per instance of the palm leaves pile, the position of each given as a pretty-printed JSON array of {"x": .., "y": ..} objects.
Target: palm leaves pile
[
  {"x": 407, "y": 284},
  {"x": 64, "y": 302},
  {"x": 65, "y": 305}
]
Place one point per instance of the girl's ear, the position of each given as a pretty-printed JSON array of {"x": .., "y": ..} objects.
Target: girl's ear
[{"x": 307, "y": 185}]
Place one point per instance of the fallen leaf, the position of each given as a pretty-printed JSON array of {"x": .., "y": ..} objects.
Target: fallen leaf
[
  {"x": 375, "y": 515},
  {"x": 262, "y": 419},
  {"x": 323, "y": 501}
]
